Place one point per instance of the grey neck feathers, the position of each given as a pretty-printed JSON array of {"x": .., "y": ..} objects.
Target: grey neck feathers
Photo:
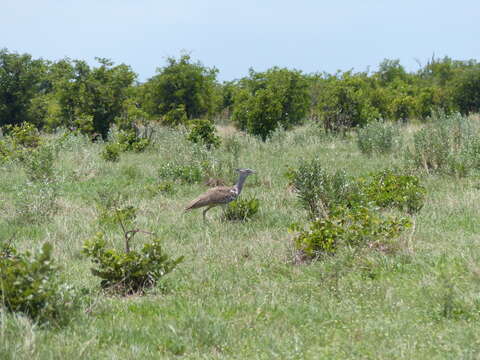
[{"x": 239, "y": 184}]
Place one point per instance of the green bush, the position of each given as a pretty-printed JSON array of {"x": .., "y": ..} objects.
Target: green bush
[
  {"x": 447, "y": 144},
  {"x": 377, "y": 137},
  {"x": 24, "y": 135},
  {"x": 131, "y": 141},
  {"x": 175, "y": 117},
  {"x": 355, "y": 226},
  {"x": 184, "y": 173},
  {"x": 22, "y": 143},
  {"x": 124, "y": 140},
  {"x": 242, "y": 209},
  {"x": 130, "y": 271},
  {"x": 111, "y": 152},
  {"x": 5, "y": 152},
  {"x": 319, "y": 190},
  {"x": 29, "y": 284},
  {"x": 387, "y": 189},
  {"x": 39, "y": 162},
  {"x": 203, "y": 131}
]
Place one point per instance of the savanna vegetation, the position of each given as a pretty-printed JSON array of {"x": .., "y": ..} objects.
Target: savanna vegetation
[{"x": 356, "y": 238}]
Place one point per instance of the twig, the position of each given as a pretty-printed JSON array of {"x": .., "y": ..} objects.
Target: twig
[{"x": 130, "y": 234}]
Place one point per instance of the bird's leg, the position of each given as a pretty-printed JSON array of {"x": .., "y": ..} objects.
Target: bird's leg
[
  {"x": 205, "y": 213},
  {"x": 224, "y": 208}
]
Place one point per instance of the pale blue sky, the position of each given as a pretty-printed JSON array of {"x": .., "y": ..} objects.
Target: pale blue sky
[{"x": 234, "y": 36}]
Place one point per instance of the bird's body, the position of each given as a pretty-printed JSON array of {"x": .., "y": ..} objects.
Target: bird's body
[{"x": 220, "y": 195}]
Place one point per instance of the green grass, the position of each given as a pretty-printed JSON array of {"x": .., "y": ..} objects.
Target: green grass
[{"x": 238, "y": 295}]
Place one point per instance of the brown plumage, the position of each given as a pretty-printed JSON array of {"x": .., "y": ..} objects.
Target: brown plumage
[{"x": 220, "y": 195}]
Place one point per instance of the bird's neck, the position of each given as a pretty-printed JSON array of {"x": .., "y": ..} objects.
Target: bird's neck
[{"x": 239, "y": 184}]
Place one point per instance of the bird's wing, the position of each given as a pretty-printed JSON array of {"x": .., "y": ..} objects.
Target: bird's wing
[{"x": 216, "y": 195}]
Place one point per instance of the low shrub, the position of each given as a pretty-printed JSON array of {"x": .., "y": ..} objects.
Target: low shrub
[
  {"x": 356, "y": 226},
  {"x": 128, "y": 271},
  {"x": 377, "y": 137},
  {"x": 39, "y": 162},
  {"x": 131, "y": 141},
  {"x": 319, "y": 190},
  {"x": 189, "y": 174},
  {"x": 242, "y": 209},
  {"x": 447, "y": 144},
  {"x": 24, "y": 135},
  {"x": 175, "y": 117},
  {"x": 5, "y": 152},
  {"x": 111, "y": 152},
  {"x": 388, "y": 189},
  {"x": 203, "y": 131},
  {"x": 29, "y": 284},
  {"x": 125, "y": 140}
]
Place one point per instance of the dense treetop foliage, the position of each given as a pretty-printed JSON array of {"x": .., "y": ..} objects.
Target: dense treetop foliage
[{"x": 73, "y": 94}]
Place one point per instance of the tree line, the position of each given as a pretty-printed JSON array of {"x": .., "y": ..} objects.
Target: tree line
[{"x": 75, "y": 95}]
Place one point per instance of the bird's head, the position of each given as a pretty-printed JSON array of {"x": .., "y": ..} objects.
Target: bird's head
[{"x": 245, "y": 171}]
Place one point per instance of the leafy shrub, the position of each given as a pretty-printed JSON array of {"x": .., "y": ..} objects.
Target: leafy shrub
[
  {"x": 377, "y": 137},
  {"x": 184, "y": 173},
  {"x": 355, "y": 226},
  {"x": 39, "y": 162},
  {"x": 130, "y": 271},
  {"x": 447, "y": 144},
  {"x": 175, "y": 117},
  {"x": 131, "y": 141},
  {"x": 24, "y": 135},
  {"x": 242, "y": 209},
  {"x": 5, "y": 152},
  {"x": 319, "y": 190},
  {"x": 203, "y": 131},
  {"x": 29, "y": 284},
  {"x": 111, "y": 152},
  {"x": 124, "y": 140},
  {"x": 387, "y": 189}
]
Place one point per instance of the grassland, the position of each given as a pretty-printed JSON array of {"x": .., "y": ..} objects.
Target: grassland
[{"x": 238, "y": 295}]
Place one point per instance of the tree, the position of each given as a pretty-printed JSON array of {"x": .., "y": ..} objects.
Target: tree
[
  {"x": 21, "y": 79},
  {"x": 466, "y": 90},
  {"x": 346, "y": 101},
  {"x": 182, "y": 84},
  {"x": 92, "y": 98},
  {"x": 390, "y": 70},
  {"x": 266, "y": 100}
]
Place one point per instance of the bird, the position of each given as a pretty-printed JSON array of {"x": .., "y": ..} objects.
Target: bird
[{"x": 220, "y": 195}]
